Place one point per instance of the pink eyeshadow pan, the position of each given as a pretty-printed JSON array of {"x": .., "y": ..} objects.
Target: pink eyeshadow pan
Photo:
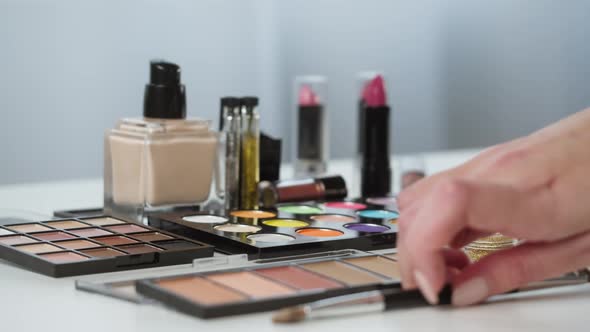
[
  {"x": 64, "y": 257},
  {"x": 16, "y": 239},
  {"x": 127, "y": 228},
  {"x": 29, "y": 228},
  {"x": 54, "y": 236},
  {"x": 90, "y": 232}
]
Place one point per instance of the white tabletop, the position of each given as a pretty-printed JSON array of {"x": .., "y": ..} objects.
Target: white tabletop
[{"x": 29, "y": 301}]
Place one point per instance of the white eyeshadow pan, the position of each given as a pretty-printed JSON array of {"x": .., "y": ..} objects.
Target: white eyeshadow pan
[
  {"x": 205, "y": 219},
  {"x": 5, "y": 232}
]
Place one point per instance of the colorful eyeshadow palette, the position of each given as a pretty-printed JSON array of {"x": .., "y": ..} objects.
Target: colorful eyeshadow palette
[
  {"x": 61, "y": 248},
  {"x": 290, "y": 229},
  {"x": 270, "y": 286}
]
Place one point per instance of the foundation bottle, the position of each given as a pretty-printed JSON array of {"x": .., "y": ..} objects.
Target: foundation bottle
[{"x": 162, "y": 161}]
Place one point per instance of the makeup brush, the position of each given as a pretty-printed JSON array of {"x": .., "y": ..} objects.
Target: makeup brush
[{"x": 371, "y": 301}]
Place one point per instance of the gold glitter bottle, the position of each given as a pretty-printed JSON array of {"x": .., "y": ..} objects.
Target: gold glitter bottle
[
  {"x": 480, "y": 248},
  {"x": 249, "y": 164}
]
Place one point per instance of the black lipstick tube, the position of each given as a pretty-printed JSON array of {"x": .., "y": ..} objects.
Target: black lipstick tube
[{"x": 376, "y": 169}]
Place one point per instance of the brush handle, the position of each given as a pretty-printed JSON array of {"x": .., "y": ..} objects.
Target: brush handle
[{"x": 402, "y": 299}]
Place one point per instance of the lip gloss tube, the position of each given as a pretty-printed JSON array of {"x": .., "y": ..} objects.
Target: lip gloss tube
[
  {"x": 228, "y": 178},
  {"x": 250, "y": 150},
  {"x": 311, "y": 126},
  {"x": 313, "y": 189}
]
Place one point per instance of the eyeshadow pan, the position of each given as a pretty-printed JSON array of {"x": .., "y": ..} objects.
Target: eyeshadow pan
[
  {"x": 253, "y": 214},
  {"x": 237, "y": 228},
  {"x": 251, "y": 284},
  {"x": 379, "y": 214},
  {"x": 319, "y": 232},
  {"x": 102, "y": 252},
  {"x": 367, "y": 228},
  {"x": 289, "y": 223},
  {"x": 177, "y": 244},
  {"x": 377, "y": 264},
  {"x": 201, "y": 290},
  {"x": 343, "y": 273},
  {"x": 128, "y": 228},
  {"x": 66, "y": 224},
  {"x": 151, "y": 237},
  {"x": 298, "y": 278},
  {"x": 300, "y": 209},
  {"x": 103, "y": 221},
  {"x": 29, "y": 228},
  {"x": 54, "y": 236},
  {"x": 382, "y": 200},
  {"x": 139, "y": 248},
  {"x": 37, "y": 248},
  {"x": 346, "y": 205},
  {"x": 64, "y": 257},
  {"x": 5, "y": 232},
  {"x": 333, "y": 218},
  {"x": 205, "y": 219},
  {"x": 116, "y": 240},
  {"x": 270, "y": 237},
  {"x": 90, "y": 232},
  {"x": 391, "y": 256},
  {"x": 77, "y": 244},
  {"x": 16, "y": 239}
]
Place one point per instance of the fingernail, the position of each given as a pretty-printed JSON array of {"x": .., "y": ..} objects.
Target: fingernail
[
  {"x": 470, "y": 292},
  {"x": 426, "y": 288}
]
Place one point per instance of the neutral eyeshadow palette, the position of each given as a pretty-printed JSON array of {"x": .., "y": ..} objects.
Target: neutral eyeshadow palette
[
  {"x": 270, "y": 286},
  {"x": 289, "y": 229},
  {"x": 68, "y": 247}
]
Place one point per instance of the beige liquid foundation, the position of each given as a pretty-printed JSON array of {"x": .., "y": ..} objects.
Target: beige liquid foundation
[{"x": 162, "y": 161}]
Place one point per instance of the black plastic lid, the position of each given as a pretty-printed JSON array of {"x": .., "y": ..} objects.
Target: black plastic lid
[
  {"x": 249, "y": 101},
  {"x": 335, "y": 187},
  {"x": 270, "y": 158},
  {"x": 164, "y": 96}
]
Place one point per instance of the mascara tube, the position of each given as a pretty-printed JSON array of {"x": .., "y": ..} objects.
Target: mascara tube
[{"x": 249, "y": 157}]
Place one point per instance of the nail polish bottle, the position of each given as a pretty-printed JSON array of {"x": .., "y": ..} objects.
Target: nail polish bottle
[{"x": 162, "y": 161}]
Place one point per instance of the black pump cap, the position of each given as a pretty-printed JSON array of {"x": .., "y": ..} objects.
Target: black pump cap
[
  {"x": 164, "y": 97},
  {"x": 334, "y": 187},
  {"x": 249, "y": 101}
]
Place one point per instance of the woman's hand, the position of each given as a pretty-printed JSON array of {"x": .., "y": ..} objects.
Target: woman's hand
[{"x": 536, "y": 188}]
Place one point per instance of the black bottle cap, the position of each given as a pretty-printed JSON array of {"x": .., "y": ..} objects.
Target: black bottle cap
[
  {"x": 226, "y": 102},
  {"x": 270, "y": 158},
  {"x": 335, "y": 187},
  {"x": 249, "y": 101},
  {"x": 164, "y": 96}
]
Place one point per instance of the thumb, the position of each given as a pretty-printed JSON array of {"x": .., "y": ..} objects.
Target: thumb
[{"x": 509, "y": 269}]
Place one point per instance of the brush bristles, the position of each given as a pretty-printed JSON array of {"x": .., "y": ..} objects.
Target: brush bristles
[{"x": 289, "y": 315}]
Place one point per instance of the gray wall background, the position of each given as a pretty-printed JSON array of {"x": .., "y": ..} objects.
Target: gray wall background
[{"x": 460, "y": 73}]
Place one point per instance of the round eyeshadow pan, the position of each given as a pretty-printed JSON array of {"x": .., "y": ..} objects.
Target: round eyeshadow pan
[
  {"x": 54, "y": 236},
  {"x": 90, "y": 232},
  {"x": 29, "y": 228},
  {"x": 66, "y": 224},
  {"x": 333, "y": 218},
  {"x": 16, "y": 239},
  {"x": 346, "y": 205},
  {"x": 300, "y": 209},
  {"x": 271, "y": 238},
  {"x": 205, "y": 219},
  {"x": 259, "y": 214},
  {"x": 151, "y": 237},
  {"x": 290, "y": 223},
  {"x": 319, "y": 232},
  {"x": 37, "y": 248},
  {"x": 237, "y": 228},
  {"x": 115, "y": 240},
  {"x": 382, "y": 201},
  {"x": 367, "y": 228},
  {"x": 77, "y": 244},
  {"x": 64, "y": 257},
  {"x": 128, "y": 228},
  {"x": 378, "y": 214}
]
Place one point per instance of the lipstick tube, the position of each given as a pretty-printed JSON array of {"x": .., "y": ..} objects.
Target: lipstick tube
[
  {"x": 313, "y": 189},
  {"x": 311, "y": 126}
]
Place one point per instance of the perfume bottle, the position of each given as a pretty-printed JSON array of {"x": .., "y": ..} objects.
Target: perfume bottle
[{"x": 163, "y": 160}]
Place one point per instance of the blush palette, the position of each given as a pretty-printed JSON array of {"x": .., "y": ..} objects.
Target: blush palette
[
  {"x": 69, "y": 247},
  {"x": 289, "y": 229},
  {"x": 270, "y": 286}
]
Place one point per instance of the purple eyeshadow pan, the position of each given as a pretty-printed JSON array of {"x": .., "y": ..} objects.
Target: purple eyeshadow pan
[{"x": 367, "y": 228}]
